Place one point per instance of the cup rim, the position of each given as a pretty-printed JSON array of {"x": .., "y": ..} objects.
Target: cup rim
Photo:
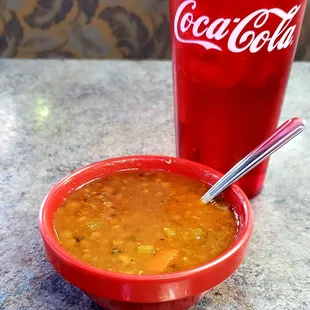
[{"x": 240, "y": 241}]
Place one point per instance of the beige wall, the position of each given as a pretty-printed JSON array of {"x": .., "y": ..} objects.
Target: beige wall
[{"x": 94, "y": 29}]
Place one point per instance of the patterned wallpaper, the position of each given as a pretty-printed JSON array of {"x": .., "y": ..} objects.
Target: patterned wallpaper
[{"x": 94, "y": 29}]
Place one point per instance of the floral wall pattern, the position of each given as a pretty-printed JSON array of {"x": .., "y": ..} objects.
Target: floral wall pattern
[{"x": 134, "y": 29}]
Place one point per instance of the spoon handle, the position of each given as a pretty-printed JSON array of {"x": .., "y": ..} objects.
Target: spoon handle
[{"x": 286, "y": 132}]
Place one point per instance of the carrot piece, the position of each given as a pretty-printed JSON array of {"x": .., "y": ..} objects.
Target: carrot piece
[{"x": 160, "y": 261}]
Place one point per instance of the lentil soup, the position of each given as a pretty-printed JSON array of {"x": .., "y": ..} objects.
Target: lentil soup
[{"x": 144, "y": 223}]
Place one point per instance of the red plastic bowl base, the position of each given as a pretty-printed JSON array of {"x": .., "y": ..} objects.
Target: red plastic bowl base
[{"x": 181, "y": 304}]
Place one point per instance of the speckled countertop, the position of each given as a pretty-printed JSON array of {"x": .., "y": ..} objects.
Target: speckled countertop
[{"x": 56, "y": 116}]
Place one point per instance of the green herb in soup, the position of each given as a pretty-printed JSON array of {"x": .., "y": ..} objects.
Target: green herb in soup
[{"x": 144, "y": 223}]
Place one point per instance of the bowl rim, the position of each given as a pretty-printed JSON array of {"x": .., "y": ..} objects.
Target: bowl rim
[{"x": 240, "y": 241}]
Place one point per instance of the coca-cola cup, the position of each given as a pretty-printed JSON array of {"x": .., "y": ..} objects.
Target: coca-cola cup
[{"x": 231, "y": 64}]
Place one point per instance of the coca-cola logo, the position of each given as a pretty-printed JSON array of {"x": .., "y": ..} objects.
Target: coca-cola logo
[{"x": 209, "y": 33}]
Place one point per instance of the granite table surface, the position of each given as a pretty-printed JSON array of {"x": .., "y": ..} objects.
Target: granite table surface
[{"x": 57, "y": 115}]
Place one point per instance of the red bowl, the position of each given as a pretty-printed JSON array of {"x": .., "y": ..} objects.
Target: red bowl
[{"x": 113, "y": 290}]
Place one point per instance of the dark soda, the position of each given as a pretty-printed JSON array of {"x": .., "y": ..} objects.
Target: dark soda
[{"x": 231, "y": 65}]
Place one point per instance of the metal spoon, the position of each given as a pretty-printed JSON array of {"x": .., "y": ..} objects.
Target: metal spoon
[{"x": 286, "y": 132}]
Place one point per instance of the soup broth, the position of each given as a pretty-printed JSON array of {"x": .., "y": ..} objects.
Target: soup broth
[{"x": 144, "y": 223}]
